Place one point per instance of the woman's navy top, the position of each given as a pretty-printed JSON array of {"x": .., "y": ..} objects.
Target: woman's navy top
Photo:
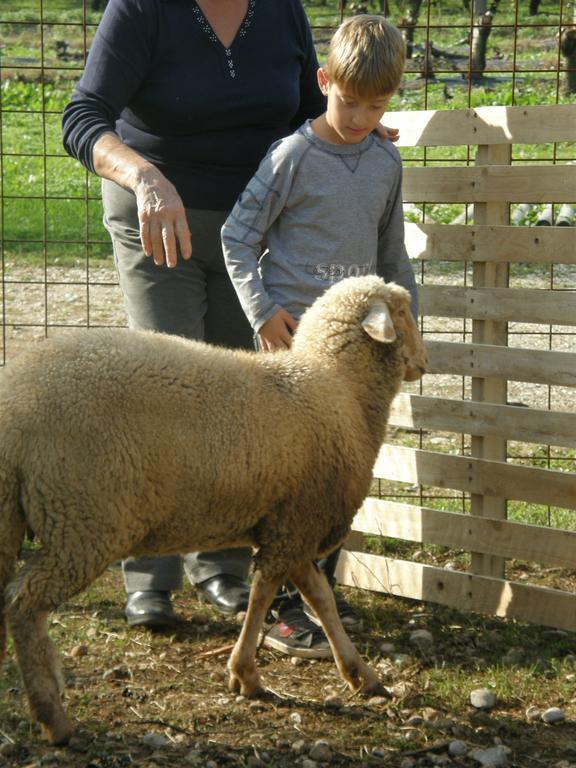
[{"x": 202, "y": 113}]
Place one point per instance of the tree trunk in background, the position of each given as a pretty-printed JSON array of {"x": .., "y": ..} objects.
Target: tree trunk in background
[
  {"x": 410, "y": 21},
  {"x": 480, "y": 34},
  {"x": 568, "y": 48},
  {"x": 534, "y": 4}
]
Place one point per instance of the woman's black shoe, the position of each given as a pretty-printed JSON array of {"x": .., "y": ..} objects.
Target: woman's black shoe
[
  {"x": 226, "y": 592},
  {"x": 150, "y": 609}
]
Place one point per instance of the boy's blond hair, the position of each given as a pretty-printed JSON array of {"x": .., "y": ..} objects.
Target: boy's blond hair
[{"x": 367, "y": 54}]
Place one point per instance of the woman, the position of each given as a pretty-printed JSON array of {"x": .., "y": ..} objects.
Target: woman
[{"x": 178, "y": 103}]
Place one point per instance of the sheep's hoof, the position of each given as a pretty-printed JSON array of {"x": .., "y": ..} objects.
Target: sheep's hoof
[
  {"x": 363, "y": 679},
  {"x": 60, "y": 734},
  {"x": 250, "y": 688},
  {"x": 377, "y": 689}
]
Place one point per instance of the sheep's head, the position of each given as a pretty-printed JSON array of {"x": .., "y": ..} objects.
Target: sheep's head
[
  {"x": 358, "y": 306},
  {"x": 387, "y": 321}
]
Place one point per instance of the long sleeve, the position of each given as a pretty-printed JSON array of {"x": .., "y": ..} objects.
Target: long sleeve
[
  {"x": 244, "y": 232},
  {"x": 393, "y": 263},
  {"x": 117, "y": 64}
]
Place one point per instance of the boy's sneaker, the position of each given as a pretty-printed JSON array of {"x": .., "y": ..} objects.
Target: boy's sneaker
[
  {"x": 295, "y": 635},
  {"x": 349, "y": 616}
]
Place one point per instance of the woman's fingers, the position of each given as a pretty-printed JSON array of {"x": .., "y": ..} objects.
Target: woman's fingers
[
  {"x": 169, "y": 244},
  {"x": 156, "y": 242},
  {"x": 183, "y": 236}
]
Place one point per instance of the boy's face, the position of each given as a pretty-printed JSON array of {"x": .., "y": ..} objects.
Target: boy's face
[{"x": 350, "y": 117}]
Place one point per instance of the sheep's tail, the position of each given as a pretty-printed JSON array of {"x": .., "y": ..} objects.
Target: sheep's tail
[{"x": 12, "y": 530}]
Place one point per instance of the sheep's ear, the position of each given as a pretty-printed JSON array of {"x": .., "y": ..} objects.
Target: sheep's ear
[{"x": 378, "y": 323}]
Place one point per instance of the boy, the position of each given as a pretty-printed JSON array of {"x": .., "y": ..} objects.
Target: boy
[{"x": 325, "y": 203}]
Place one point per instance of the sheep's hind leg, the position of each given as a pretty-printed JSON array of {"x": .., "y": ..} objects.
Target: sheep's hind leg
[
  {"x": 316, "y": 591},
  {"x": 39, "y": 587},
  {"x": 244, "y": 676}
]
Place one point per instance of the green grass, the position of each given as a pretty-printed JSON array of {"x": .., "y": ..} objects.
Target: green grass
[{"x": 35, "y": 168}]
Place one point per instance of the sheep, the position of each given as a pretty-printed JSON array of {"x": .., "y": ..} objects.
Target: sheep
[{"x": 117, "y": 443}]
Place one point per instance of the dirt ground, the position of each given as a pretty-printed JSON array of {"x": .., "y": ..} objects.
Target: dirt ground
[{"x": 142, "y": 699}]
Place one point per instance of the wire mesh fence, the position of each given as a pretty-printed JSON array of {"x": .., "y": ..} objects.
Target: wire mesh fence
[{"x": 57, "y": 271}]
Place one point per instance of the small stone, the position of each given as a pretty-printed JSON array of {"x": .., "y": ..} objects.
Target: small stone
[
  {"x": 553, "y": 715},
  {"x": 333, "y": 701},
  {"x": 495, "y": 757},
  {"x": 155, "y": 740},
  {"x": 378, "y": 701},
  {"x": 442, "y": 724},
  {"x": 513, "y": 657},
  {"x": 296, "y": 718},
  {"x": 428, "y": 713},
  {"x": 321, "y": 751},
  {"x": 411, "y": 734},
  {"x": 402, "y": 660},
  {"x": 240, "y": 699},
  {"x": 120, "y": 672},
  {"x": 78, "y": 743},
  {"x": 78, "y": 651},
  {"x": 482, "y": 698},
  {"x": 50, "y": 758},
  {"x": 299, "y": 747},
  {"x": 533, "y": 714},
  {"x": 387, "y": 648},
  {"x": 422, "y": 639},
  {"x": 457, "y": 748},
  {"x": 282, "y": 744},
  {"x": 296, "y": 661},
  {"x": 380, "y": 753}
]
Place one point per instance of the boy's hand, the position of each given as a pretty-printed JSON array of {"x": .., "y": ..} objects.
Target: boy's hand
[{"x": 276, "y": 333}]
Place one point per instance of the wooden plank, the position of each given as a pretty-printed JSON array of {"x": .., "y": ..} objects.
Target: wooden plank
[
  {"x": 461, "y": 242},
  {"x": 541, "y": 306},
  {"x": 490, "y": 183},
  {"x": 489, "y": 329},
  {"x": 533, "y": 365},
  {"x": 485, "y": 125},
  {"x": 533, "y": 543},
  {"x": 530, "y": 425},
  {"x": 464, "y": 591},
  {"x": 480, "y": 476}
]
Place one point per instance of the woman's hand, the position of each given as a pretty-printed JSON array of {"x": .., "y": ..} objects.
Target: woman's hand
[
  {"x": 161, "y": 215},
  {"x": 163, "y": 224},
  {"x": 276, "y": 333},
  {"x": 392, "y": 134}
]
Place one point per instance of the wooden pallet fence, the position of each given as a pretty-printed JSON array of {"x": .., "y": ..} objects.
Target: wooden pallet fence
[{"x": 487, "y": 305}]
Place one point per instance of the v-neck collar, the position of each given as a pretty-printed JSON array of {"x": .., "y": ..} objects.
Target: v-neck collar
[{"x": 207, "y": 28}]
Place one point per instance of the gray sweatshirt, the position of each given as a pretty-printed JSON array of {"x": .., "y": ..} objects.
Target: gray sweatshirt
[{"x": 313, "y": 214}]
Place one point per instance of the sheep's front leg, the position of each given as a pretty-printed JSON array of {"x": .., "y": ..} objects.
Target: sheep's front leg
[
  {"x": 315, "y": 589},
  {"x": 244, "y": 676}
]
